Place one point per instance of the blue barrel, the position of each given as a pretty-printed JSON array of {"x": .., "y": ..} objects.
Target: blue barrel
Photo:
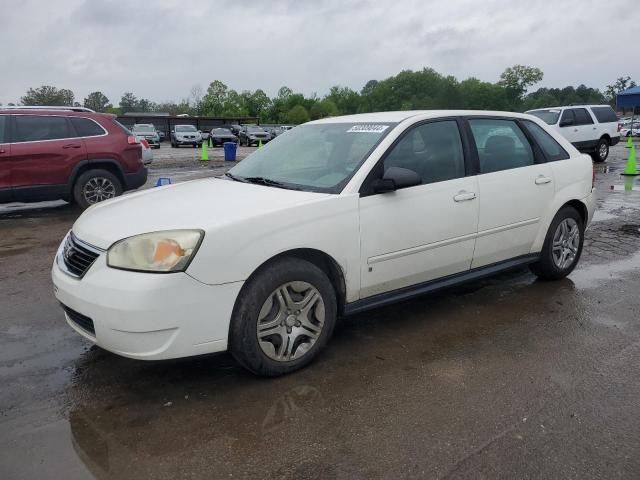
[{"x": 230, "y": 151}]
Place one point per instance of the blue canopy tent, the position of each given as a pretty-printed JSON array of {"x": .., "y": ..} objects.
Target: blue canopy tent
[{"x": 629, "y": 98}]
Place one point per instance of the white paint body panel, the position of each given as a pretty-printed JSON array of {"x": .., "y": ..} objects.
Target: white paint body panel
[{"x": 406, "y": 237}]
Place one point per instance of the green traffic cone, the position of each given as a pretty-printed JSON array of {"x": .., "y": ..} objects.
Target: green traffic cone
[
  {"x": 210, "y": 142},
  {"x": 259, "y": 143},
  {"x": 631, "y": 168},
  {"x": 629, "y": 142},
  {"x": 205, "y": 153}
]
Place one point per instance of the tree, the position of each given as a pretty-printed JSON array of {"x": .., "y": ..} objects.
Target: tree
[
  {"x": 213, "y": 101},
  {"x": 48, "y": 96},
  {"x": 128, "y": 103},
  {"x": 323, "y": 108},
  {"x": 621, "y": 84},
  {"x": 97, "y": 101},
  {"x": 144, "y": 105},
  {"x": 195, "y": 94},
  {"x": 518, "y": 79},
  {"x": 298, "y": 115}
]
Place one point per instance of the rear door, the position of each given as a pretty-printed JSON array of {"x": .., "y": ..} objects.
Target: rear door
[
  {"x": 515, "y": 190},
  {"x": 44, "y": 151},
  {"x": 5, "y": 160}
]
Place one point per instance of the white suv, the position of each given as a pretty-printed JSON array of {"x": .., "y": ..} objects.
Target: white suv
[
  {"x": 590, "y": 128},
  {"x": 337, "y": 216}
]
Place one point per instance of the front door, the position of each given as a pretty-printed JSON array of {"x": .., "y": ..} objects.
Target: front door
[
  {"x": 514, "y": 191},
  {"x": 424, "y": 232}
]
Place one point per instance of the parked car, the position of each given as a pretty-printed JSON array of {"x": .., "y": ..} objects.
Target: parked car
[
  {"x": 185, "y": 135},
  {"x": 253, "y": 135},
  {"x": 235, "y": 129},
  {"x": 221, "y": 135},
  {"x": 147, "y": 153},
  {"x": 590, "y": 128},
  {"x": 340, "y": 215},
  {"x": 630, "y": 130},
  {"x": 161, "y": 135},
  {"x": 72, "y": 154},
  {"x": 148, "y": 132}
]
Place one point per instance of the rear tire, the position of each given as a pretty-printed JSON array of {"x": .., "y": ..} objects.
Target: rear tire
[
  {"x": 602, "y": 151},
  {"x": 95, "y": 186},
  {"x": 561, "y": 250},
  {"x": 272, "y": 304}
]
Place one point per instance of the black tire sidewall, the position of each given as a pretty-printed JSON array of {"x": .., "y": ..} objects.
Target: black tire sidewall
[
  {"x": 78, "y": 186},
  {"x": 546, "y": 268},
  {"x": 600, "y": 143},
  {"x": 243, "y": 340}
]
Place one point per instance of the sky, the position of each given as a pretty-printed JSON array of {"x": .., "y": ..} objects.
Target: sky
[{"x": 160, "y": 49}]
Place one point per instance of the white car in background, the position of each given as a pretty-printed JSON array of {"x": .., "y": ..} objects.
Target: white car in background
[
  {"x": 630, "y": 130},
  {"x": 338, "y": 216},
  {"x": 589, "y": 128}
]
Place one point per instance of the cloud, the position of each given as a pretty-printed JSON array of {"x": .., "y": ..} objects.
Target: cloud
[{"x": 159, "y": 49}]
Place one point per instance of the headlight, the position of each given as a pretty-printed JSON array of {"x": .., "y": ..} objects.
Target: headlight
[{"x": 168, "y": 251}]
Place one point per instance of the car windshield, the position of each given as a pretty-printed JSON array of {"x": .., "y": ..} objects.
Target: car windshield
[
  {"x": 317, "y": 157},
  {"x": 549, "y": 116},
  {"x": 185, "y": 128},
  {"x": 254, "y": 129},
  {"x": 221, "y": 131},
  {"x": 144, "y": 128}
]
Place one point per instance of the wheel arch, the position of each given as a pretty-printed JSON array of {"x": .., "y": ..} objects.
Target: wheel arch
[
  {"x": 580, "y": 207},
  {"x": 109, "y": 165},
  {"x": 320, "y": 259}
]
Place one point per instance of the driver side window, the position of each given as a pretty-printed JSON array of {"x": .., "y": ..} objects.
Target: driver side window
[{"x": 432, "y": 150}]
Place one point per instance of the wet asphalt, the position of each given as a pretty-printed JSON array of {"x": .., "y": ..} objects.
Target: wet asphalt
[{"x": 503, "y": 378}]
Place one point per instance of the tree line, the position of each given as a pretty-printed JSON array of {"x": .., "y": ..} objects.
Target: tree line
[{"x": 408, "y": 90}]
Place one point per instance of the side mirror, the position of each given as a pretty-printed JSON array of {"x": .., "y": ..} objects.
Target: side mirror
[
  {"x": 567, "y": 122},
  {"x": 396, "y": 178}
]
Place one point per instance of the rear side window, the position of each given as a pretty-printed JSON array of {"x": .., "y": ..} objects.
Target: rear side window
[
  {"x": 4, "y": 128},
  {"x": 605, "y": 114},
  {"x": 432, "y": 150},
  {"x": 501, "y": 145},
  {"x": 552, "y": 150},
  {"x": 33, "y": 128},
  {"x": 582, "y": 116},
  {"x": 86, "y": 128}
]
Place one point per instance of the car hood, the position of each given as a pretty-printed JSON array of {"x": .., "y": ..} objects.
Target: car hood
[{"x": 200, "y": 204}]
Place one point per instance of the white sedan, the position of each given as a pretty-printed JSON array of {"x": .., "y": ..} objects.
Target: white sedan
[{"x": 337, "y": 216}]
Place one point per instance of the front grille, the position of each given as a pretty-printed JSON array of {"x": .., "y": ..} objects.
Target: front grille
[
  {"x": 82, "y": 321},
  {"x": 77, "y": 258}
]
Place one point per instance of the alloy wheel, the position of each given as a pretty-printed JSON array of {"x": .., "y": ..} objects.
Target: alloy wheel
[
  {"x": 290, "y": 321},
  {"x": 604, "y": 150},
  {"x": 566, "y": 242},
  {"x": 98, "y": 189}
]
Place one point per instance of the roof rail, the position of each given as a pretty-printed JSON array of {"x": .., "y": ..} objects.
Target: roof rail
[{"x": 42, "y": 107}]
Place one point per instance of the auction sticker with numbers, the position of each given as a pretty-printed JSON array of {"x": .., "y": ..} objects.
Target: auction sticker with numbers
[{"x": 367, "y": 128}]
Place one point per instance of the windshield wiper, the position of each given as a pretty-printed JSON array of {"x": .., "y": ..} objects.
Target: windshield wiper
[
  {"x": 268, "y": 182},
  {"x": 234, "y": 178}
]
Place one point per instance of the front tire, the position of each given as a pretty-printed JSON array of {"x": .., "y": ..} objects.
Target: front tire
[
  {"x": 562, "y": 246},
  {"x": 95, "y": 186},
  {"x": 284, "y": 316}
]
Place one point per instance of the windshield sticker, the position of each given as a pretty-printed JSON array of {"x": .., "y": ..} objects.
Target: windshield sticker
[{"x": 368, "y": 129}]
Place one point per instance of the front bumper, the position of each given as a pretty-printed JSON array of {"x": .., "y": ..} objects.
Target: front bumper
[
  {"x": 144, "y": 315},
  {"x": 188, "y": 141}
]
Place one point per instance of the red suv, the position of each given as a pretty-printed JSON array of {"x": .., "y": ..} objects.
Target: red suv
[{"x": 72, "y": 154}]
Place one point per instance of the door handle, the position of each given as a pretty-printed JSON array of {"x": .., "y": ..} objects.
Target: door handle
[
  {"x": 464, "y": 196},
  {"x": 575, "y": 129},
  {"x": 541, "y": 180},
  {"x": 71, "y": 145},
  {"x": 2, "y": 151}
]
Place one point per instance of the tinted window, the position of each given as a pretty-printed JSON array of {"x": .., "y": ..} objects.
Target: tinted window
[
  {"x": 552, "y": 149},
  {"x": 501, "y": 145},
  {"x": 582, "y": 116},
  {"x": 4, "y": 127},
  {"x": 604, "y": 114},
  {"x": 31, "y": 128},
  {"x": 549, "y": 116},
  {"x": 433, "y": 151},
  {"x": 86, "y": 128},
  {"x": 567, "y": 116}
]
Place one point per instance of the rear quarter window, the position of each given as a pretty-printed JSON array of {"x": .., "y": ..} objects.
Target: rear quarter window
[
  {"x": 86, "y": 128},
  {"x": 553, "y": 151},
  {"x": 604, "y": 114}
]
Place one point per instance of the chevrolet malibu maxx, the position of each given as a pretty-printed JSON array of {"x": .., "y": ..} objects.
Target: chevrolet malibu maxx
[{"x": 338, "y": 216}]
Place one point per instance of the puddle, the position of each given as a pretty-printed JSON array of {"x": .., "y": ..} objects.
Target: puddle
[
  {"x": 594, "y": 275},
  {"x": 601, "y": 216}
]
